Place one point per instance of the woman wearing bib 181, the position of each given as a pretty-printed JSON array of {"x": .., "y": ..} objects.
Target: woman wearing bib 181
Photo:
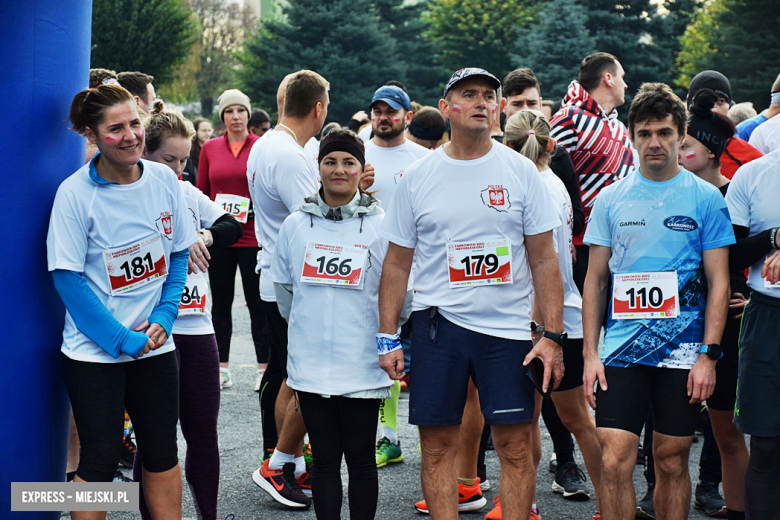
[
  {"x": 117, "y": 249},
  {"x": 326, "y": 271}
]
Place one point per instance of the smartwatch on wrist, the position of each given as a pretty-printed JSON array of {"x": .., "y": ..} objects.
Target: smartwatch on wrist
[
  {"x": 535, "y": 327},
  {"x": 560, "y": 339},
  {"x": 713, "y": 350}
]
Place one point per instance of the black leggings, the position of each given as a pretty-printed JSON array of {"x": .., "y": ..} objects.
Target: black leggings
[
  {"x": 762, "y": 481},
  {"x": 342, "y": 426},
  {"x": 275, "y": 373},
  {"x": 222, "y": 277},
  {"x": 99, "y": 394}
]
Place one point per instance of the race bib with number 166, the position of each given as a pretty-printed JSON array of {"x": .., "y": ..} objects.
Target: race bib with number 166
[{"x": 329, "y": 264}]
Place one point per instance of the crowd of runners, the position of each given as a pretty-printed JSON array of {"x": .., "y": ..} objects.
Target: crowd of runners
[{"x": 499, "y": 256}]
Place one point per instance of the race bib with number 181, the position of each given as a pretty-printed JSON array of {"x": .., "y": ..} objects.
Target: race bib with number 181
[
  {"x": 135, "y": 265},
  {"x": 639, "y": 296},
  {"x": 479, "y": 263},
  {"x": 329, "y": 264}
]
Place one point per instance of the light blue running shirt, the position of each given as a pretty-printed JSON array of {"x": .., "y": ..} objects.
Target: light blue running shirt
[{"x": 659, "y": 226}]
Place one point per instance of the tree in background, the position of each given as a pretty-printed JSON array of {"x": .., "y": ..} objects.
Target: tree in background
[
  {"x": 695, "y": 43},
  {"x": 555, "y": 60},
  {"x": 477, "y": 33},
  {"x": 745, "y": 47},
  {"x": 223, "y": 29},
  {"x": 150, "y": 36},
  {"x": 343, "y": 40},
  {"x": 422, "y": 76}
]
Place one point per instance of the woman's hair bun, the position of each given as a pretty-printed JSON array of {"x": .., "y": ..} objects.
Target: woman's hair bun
[{"x": 158, "y": 107}]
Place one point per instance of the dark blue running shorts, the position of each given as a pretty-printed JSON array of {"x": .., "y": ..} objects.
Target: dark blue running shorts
[{"x": 445, "y": 355}]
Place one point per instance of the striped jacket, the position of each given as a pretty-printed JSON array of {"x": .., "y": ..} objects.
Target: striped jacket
[{"x": 598, "y": 144}]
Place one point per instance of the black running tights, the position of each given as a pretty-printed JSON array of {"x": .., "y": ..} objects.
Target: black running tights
[
  {"x": 762, "y": 481},
  {"x": 342, "y": 426},
  {"x": 222, "y": 278}
]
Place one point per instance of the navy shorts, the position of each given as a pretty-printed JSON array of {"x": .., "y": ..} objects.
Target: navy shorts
[{"x": 446, "y": 355}]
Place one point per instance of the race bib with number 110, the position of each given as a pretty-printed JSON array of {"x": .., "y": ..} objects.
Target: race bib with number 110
[
  {"x": 639, "y": 296},
  {"x": 329, "y": 264}
]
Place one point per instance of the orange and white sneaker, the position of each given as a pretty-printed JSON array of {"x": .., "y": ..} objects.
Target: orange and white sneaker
[
  {"x": 282, "y": 485},
  {"x": 305, "y": 482},
  {"x": 495, "y": 513},
  {"x": 469, "y": 499},
  {"x": 596, "y": 516}
]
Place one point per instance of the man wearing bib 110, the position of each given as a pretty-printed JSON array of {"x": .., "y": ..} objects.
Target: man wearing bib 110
[
  {"x": 663, "y": 235},
  {"x": 477, "y": 219}
]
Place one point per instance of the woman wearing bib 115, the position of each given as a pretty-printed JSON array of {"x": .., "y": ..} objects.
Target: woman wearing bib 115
[
  {"x": 326, "y": 270},
  {"x": 222, "y": 177},
  {"x": 168, "y": 140},
  {"x": 117, "y": 248}
]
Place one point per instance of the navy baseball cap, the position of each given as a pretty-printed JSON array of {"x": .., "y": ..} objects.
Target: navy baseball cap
[
  {"x": 471, "y": 72},
  {"x": 393, "y": 96}
]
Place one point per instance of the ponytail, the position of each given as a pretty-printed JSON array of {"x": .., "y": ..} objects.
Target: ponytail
[
  {"x": 528, "y": 132},
  {"x": 164, "y": 123}
]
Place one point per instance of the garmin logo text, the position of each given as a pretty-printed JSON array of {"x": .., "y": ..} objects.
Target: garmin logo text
[
  {"x": 633, "y": 223},
  {"x": 681, "y": 223}
]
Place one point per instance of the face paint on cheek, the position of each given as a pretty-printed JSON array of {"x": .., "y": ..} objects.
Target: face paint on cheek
[
  {"x": 355, "y": 174},
  {"x": 110, "y": 139},
  {"x": 373, "y": 118},
  {"x": 396, "y": 119},
  {"x": 493, "y": 109},
  {"x": 455, "y": 107},
  {"x": 690, "y": 155}
]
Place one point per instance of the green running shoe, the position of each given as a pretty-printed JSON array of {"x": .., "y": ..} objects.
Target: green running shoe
[{"x": 387, "y": 452}]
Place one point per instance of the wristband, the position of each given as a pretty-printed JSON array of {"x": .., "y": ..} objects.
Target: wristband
[
  {"x": 773, "y": 237},
  {"x": 386, "y": 343}
]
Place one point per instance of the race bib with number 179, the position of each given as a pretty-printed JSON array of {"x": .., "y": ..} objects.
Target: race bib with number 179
[{"x": 477, "y": 263}]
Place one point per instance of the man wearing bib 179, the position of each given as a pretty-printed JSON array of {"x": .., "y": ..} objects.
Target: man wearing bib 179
[
  {"x": 479, "y": 219},
  {"x": 660, "y": 233}
]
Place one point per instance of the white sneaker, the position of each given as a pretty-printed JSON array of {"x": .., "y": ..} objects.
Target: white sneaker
[
  {"x": 259, "y": 379},
  {"x": 225, "y": 380}
]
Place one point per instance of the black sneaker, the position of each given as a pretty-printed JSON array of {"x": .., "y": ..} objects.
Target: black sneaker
[
  {"x": 644, "y": 508},
  {"x": 127, "y": 454},
  {"x": 570, "y": 482},
  {"x": 708, "y": 499},
  {"x": 282, "y": 485}
]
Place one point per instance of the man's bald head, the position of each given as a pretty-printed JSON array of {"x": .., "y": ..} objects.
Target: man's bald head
[{"x": 281, "y": 92}]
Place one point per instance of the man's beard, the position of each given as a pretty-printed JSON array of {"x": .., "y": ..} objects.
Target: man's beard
[{"x": 389, "y": 134}]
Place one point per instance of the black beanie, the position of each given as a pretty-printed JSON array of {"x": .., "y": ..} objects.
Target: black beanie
[{"x": 710, "y": 129}]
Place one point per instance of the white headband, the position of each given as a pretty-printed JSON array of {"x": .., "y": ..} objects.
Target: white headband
[{"x": 775, "y": 98}]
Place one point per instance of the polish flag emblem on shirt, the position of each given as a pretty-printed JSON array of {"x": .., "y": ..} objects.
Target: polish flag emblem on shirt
[
  {"x": 496, "y": 197},
  {"x": 166, "y": 221}
]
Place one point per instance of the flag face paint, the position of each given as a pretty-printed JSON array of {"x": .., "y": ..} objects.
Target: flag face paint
[
  {"x": 396, "y": 119},
  {"x": 355, "y": 174},
  {"x": 690, "y": 155},
  {"x": 455, "y": 107},
  {"x": 111, "y": 139}
]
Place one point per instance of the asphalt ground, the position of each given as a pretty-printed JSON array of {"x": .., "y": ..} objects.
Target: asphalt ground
[{"x": 240, "y": 444}]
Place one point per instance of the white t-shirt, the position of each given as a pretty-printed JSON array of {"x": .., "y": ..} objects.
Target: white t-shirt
[
  {"x": 194, "y": 313},
  {"x": 766, "y": 137},
  {"x": 280, "y": 176},
  {"x": 389, "y": 166},
  {"x": 752, "y": 202},
  {"x": 572, "y": 301},
  {"x": 89, "y": 218},
  {"x": 441, "y": 201},
  {"x": 365, "y": 134},
  {"x": 313, "y": 149},
  {"x": 332, "y": 330}
]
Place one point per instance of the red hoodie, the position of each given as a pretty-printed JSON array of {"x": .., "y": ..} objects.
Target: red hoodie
[
  {"x": 737, "y": 153},
  {"x": 597, "y": 142},
  {"x": 220, "y": 172}
]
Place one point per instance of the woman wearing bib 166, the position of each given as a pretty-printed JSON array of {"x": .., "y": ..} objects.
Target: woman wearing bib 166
[
  {"x": 117, "y": 249},
  {"x": 326, "y": 271}
]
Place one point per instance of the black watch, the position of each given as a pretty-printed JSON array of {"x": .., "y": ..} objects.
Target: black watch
[
  {"x": 560, "y": 339},
  {"x": 713, "y": 350}
]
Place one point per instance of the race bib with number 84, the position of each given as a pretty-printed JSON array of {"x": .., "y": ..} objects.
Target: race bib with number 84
[
  {"x": 639, "y": 296},
  {"x": 479, "y": 263},
  {"x": 235, "y": 206},
  {"x": 193, "y": 298},
  {"x": 328, "y": 264},
  {"x": 136, "y": 265}
]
